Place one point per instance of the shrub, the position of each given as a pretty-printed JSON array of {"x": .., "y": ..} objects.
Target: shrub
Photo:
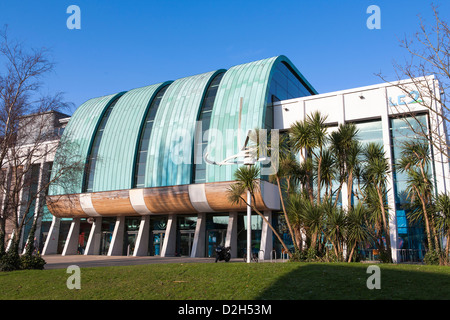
[
  {"x": 32, "y": 262},
  {"x": 10, "y": 261},
  {"x": 432, "y": 257}
]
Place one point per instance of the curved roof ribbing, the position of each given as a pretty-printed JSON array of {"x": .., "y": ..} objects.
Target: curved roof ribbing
[
  {"x": 169, "y": 158},
  {"x": 114, "y": 170},
  {"x": 250, "y": 81},
  {"x": 171, "y": 143},
  {"x": 76, "y": 143}
]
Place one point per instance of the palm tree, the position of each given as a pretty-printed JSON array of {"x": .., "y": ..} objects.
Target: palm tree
[
  {"x": 357, "y": 229},
  {"x": 310, "y": 136},
  {"x": 414, "y": 160},
  {"x": 327, "y": 171},
  {"x": 336, "y": 221},
  {"x": 375, "y": 174},
  {"x": 442, "y": 203},
  {"x": 308, "y": 217},
  {"x": 247, "y": 179},
  {"x": 295, "y": 207},
  {"x": 287, "y": 166},
  {"x": 347, "y": 149}
]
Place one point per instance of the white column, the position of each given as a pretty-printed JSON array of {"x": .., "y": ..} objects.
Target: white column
[
  {"x": 116, "y": 246},
  {"x": 71, "y": 245},
  {"x": 266, "y": 237},
  {"x": 93, "y": 244},
  {"x": 51, "y": 243},
  {"x": 392, "y": 211},
  {"x": 231, "y": 237},
  {"x": 249, "y": 227},
  {"x": 344, "y": 192},
  {"x": 170, "y": 238},
  {"x": 141, "y": 248},
  {"x": 198, "y": 245}
]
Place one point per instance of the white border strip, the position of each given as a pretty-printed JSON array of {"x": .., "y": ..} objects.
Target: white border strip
[
  {"x": 137, "y": 201},
  {"x": 86, "y": 205}
]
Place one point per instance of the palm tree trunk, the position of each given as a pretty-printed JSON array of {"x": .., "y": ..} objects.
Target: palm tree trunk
[
  {"x": 386, "y": 226},
  {"x": 351, "y": 253},
  {"x": 319, "y": 179},
  {"x": 427, "y": 223},
  {"x": 349, "y": 189},
  {"x": 269, "y": 224},
  {"x": 285, "y": 214},
  {"x": 447, "y": 248}
]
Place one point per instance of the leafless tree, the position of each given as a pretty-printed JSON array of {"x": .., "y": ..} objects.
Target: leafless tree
[
  {"x": 427, "y": 74},
  {"x": 27, "y": 136}
]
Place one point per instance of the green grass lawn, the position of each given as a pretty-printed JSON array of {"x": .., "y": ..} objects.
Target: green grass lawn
[{"x": 231, "y": 281}]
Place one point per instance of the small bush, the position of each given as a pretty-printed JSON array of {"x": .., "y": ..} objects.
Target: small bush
[
  {"x": 32, "y": 262},
  {"x": 10, "y": 261},
  {"x": 433, "y": 257}
]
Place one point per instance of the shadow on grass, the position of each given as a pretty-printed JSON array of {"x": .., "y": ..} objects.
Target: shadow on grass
[{"x": 349, "y": 282}]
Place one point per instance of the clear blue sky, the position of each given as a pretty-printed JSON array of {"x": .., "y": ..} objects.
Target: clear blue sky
[{"x": 128, "y": 44}]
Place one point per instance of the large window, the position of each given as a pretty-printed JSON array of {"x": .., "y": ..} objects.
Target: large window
[
  {"x": 411, "y": 235},
  {"x": 284, "y": 85},
  {"x": 205, "y": 120},
  {"x": 370, "y": 132},
  {"x": 144, "y": 140},
  {"x": 89, "y": 173}
]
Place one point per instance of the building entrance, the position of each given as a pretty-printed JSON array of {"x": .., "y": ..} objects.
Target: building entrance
[
  {"x": 185, "y": 241},
  {"x": 157, "y": 242},
  {"x": 130, "y": 242},
  {"x": 215, "y": 238},
  {"x": 105, "y": 242}
]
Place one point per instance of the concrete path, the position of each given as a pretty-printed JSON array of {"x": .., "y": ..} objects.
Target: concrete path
[{"x": 62, "y": 262}]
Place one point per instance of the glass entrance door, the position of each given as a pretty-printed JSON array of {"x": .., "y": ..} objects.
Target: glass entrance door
[
  {"x": 157, "y": 242},
  {"x": 215, "y": 237},
  {"x": 105, "y": 242},
  {"x": 130, "y": 242},
  {"x": 186, "y": 238}
]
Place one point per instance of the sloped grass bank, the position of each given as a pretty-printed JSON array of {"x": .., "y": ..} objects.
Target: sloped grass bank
[{"x": 230, "y": 281}]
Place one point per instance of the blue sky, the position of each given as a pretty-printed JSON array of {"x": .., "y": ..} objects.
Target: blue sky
[{"x": 128, "y": 44}]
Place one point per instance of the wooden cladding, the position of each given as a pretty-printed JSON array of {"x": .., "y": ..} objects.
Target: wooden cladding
[
  {"x": 216, "y": 195},
  {"x": 160, "y": 200},
  {"x": 112, "y": 203},
  {"x": 65, "y": 206},
  {"x": 168, "y": 199}
]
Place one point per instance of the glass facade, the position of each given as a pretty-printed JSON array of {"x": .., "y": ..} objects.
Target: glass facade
[
  {"x": 256, "y": 226},
  {"x": 284, "y": 85},
  {"x": 185, "y": 234},
  {"x": 144, "y": 140},
  {"x": 216, "y": 232},
  {"x": 411, "y": 236},
  {"x": 370, "y": 132},
  {"x": 93, "y": 152},
  {"x": 31, "y": 197},
  {"x": 204, "y": 119},
  {"x": 107, "y": 232},
  {"x": 158, "y": 231}
]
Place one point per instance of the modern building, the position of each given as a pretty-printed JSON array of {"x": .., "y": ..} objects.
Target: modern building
[
  {"x": 143, "y": 186},
  {"x": 388, "y": 114},
  {"x": 38, "y": 134}
]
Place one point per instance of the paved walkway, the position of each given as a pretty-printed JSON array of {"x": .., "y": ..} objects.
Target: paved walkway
[{"x": 62, "y": 262}]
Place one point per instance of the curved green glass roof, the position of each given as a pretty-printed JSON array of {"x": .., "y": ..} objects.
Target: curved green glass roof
[
  {"x": 250, "y": 81},
  {"x": 76, "y": 143},
  {"x": 114, "y": 169},
  {"x": 171, "y": 144}
]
